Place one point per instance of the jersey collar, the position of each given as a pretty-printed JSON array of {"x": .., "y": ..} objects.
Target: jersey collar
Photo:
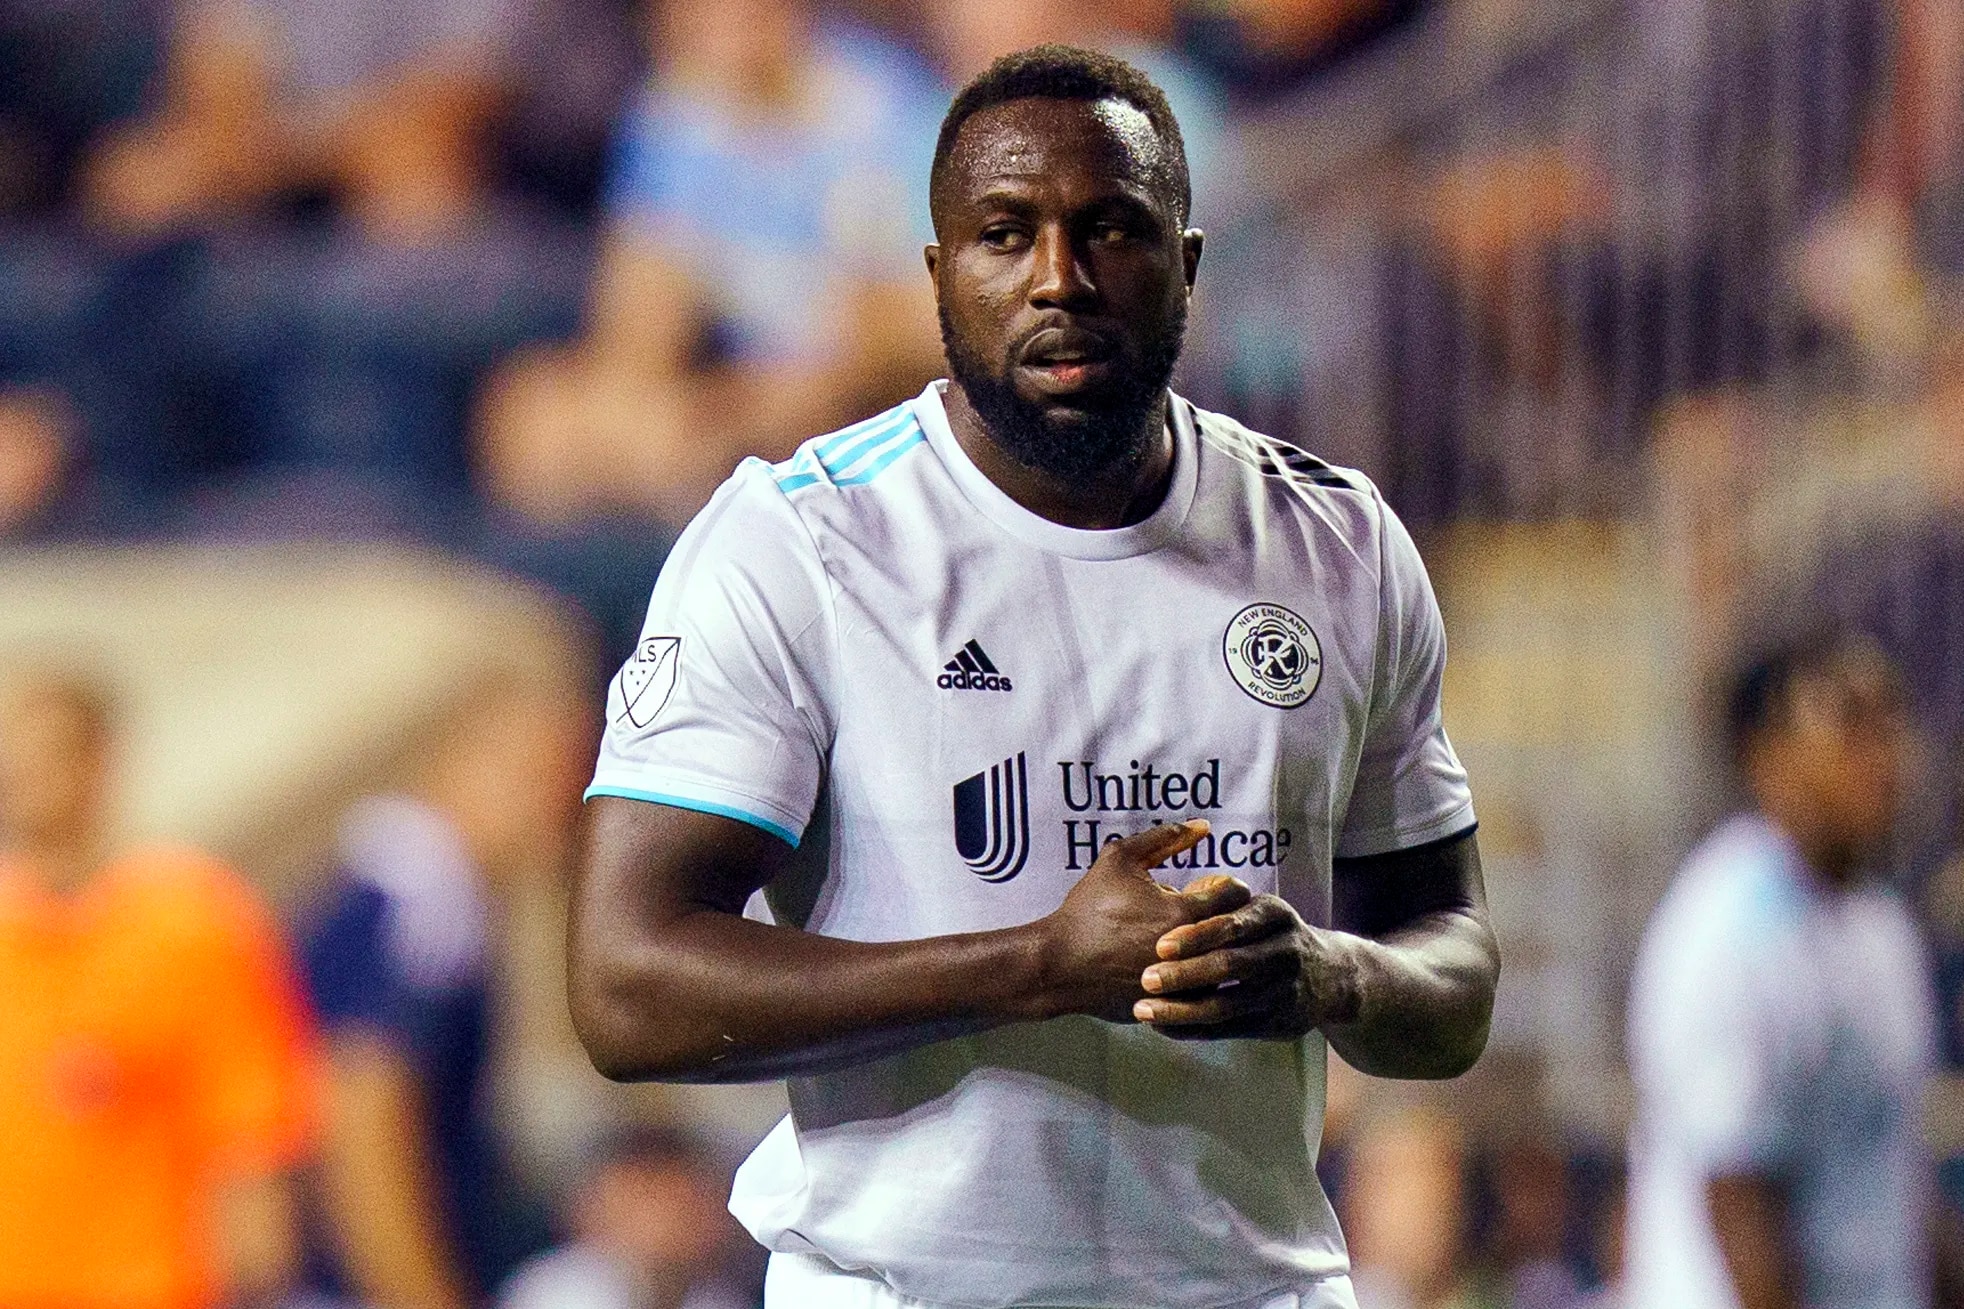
[{"x": 994, "y": 504}]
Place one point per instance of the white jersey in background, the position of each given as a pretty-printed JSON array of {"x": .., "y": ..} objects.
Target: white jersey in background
[
  {"x": 1779, "y": 1028},
  {"x": 981, "y": 699}
]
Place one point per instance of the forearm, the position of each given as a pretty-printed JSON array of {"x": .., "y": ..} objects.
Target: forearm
[
  {"x": 1749, "y": 1220},
  {"x": 713, "y": 997},
  {"x": 1419, "y": 999},
  {"x": 258, "y": 1238},
  {"x": 669, "y": 981},
  {"x": 379, "y": 1180}
]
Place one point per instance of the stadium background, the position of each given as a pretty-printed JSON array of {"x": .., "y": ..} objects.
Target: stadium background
[{"x": 1645, "y": 314}]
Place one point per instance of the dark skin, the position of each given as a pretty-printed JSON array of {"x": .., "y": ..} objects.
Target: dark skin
[
  {"x": 1054, "y": 218},
  {"x": 1051, "y": 227}
]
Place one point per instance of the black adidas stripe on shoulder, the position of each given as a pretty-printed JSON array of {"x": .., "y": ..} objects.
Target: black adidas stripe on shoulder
[
  {"x": 1273, "y": 457},
  {"x": 1285, "y": 460}
]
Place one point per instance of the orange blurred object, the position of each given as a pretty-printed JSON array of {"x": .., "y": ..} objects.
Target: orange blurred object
[{"x": 153, "y": 1042}]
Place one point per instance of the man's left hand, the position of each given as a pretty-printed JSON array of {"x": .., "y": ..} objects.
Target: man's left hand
[{"x": 1260, "y": 972}]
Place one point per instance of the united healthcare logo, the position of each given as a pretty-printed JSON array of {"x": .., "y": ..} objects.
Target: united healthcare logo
[{"x": 992, "y": 820}]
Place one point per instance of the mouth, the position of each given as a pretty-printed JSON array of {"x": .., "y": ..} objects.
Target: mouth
[{"x": 1064, "y": 360}]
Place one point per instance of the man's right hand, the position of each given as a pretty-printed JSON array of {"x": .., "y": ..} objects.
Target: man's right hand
[{"x": 1104, "y": 936}]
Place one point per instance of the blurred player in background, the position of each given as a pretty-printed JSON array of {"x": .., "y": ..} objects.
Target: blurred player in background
[
  {"x": 649, "y": 1231},
  {"x": 419, "y": 1208},
  {"x": 156, "y": 1068},
  {"x": 1022, "y": 1071},
  {"x": 1781, "y": 1027}
]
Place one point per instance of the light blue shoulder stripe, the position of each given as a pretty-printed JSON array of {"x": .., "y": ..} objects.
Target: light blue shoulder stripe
[
  {"x": 840, "y": 463},
  {"x": 825, "y": 447},
  {"x": 879, "y": 465},
  {"x": 699, "y": 806},
  {"x": 833, "y": 457},
  {"x": 861, "y": 464}
]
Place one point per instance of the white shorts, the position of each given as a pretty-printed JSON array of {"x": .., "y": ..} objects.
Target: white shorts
[{"x": 807, "y": 1281}]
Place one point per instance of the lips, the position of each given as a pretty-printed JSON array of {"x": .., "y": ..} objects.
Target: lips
[
  {"x": 1056, "y": 346},
  {"x": 1061, "y": 360}
]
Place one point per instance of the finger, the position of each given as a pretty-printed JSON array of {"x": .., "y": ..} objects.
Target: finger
[
  {"x": 1265, "y": 960},
  {"x": 1258, "y": 918},
  {"x": 1258, "y": 1027},
  {"x": 1215, "y": 893},
  {"x": 1212, "y": 1009},
  {"x": 1155, "y": 845}
]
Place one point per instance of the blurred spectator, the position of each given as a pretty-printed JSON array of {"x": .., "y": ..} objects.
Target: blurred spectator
[
  {"x": 384, "y": 107},
  {"x": 357, "y": 265},
  {"x": 761, "y": 277},
  {"x": 156, "y": 1069},
  {"x": 1781, "y": 1034},
  {"x": 416, "y": 1206},
  {"x": 1607, "y": 1243},
  {"x": 68, "y": 68},
  {"x": 1532, "y": 1201},
  {"x": 649, "y": 1231},
  {"x": 1267, "y": 48},
  {"x": 1404, "y": 1215}
]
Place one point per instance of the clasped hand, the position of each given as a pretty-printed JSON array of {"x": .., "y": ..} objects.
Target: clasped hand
[{"x": 1211, "y": 961}]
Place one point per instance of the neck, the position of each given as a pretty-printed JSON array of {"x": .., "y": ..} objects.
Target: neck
[
  {"x": 1092, "y": 504},
  {"x": 1833, "y": 862}
]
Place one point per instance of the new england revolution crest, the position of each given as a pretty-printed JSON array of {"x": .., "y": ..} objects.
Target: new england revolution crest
[{"x": 1273, "y": 655}]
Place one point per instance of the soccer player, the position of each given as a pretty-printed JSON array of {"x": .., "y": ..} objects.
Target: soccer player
[
  {"x": 1781, "y": 1032},
  {"x": 156, "y": 1063},
  {"x": 1016, "y": 644}
]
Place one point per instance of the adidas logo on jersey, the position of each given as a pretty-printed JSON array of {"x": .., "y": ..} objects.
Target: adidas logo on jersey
[{"x": 970, "y": 670}]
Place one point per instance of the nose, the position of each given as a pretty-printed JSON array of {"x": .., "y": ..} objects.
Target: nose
[{"x": 1058, "y": 278}]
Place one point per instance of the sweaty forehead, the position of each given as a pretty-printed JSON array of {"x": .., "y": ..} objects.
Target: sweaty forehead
[{"x": 1047, "y": 138}]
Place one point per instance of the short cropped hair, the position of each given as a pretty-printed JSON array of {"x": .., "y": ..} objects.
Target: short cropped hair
[
  {"x": 1760, "y": 694},
  {"x": 1062, "y": 72}
]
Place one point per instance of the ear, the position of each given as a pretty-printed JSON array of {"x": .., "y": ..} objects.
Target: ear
[{"x": 1190, "y": 242}]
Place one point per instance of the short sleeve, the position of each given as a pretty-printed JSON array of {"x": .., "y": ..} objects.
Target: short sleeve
[
  {"x": 353, "y": 977},
  {"x": 254, "y": 1071},
  {"x": 722, "y": 707},
  {"x": 1409, "y": 788}
]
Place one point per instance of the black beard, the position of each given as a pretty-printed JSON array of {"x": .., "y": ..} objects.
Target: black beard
[{"x": 1101, "y": 445}]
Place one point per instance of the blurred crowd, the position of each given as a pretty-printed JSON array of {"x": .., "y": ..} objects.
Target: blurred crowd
[
  {"x": 517, "y": 278},
  {"x": 521, "y": 280}
]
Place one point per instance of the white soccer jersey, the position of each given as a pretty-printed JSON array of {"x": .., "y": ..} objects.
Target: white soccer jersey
[
  {"x": 1783, "y": 1029},
  {"x": 982, "y": 698}
]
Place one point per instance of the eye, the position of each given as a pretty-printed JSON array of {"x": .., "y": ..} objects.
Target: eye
[
  {"x": 1112, "y": 232},
  {"x": 1004, "y": 236}
]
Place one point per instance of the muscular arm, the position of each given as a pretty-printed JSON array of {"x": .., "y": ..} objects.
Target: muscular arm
[
  {"x": 669, "y": 982},
  {"x": 1424, "y": 958},
  {"x": 1402, "y": 986}
]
